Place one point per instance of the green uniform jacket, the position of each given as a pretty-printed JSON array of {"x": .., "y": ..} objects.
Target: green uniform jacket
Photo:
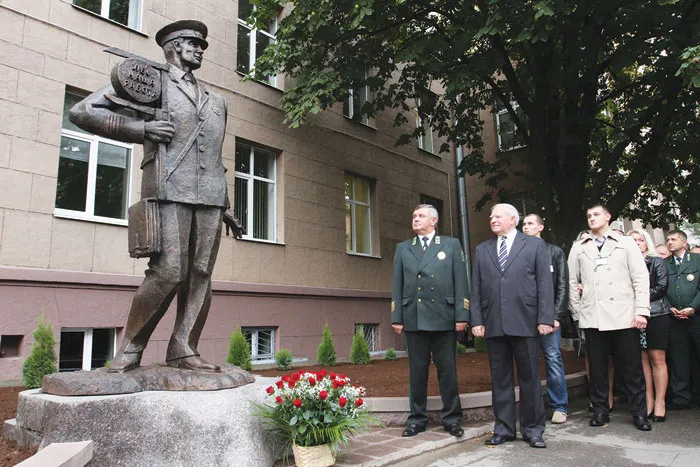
[
  {"x": 684, "y": 282},
  {"x": 429, "y": 287}
]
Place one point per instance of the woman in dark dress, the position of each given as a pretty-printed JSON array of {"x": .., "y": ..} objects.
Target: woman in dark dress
[{"x": 654, "y": 338}]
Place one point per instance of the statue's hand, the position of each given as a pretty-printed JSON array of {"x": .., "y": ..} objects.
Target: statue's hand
[
  {"x": 233, "y": 225},
  {"x": 159, "y": 131}
]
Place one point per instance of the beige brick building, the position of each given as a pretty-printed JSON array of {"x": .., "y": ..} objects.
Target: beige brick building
[{"x": 325, "y": 205}]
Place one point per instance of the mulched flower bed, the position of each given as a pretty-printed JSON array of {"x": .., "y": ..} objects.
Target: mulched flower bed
[
  {"x": 384, "y": 378},
  {"x": 10, "y": 454}
]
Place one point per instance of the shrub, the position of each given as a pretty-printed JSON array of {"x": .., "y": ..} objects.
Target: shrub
[
  {"x": 42, "y": 359},
  {"x": 461, "y": 348},
  {"x": 359, "y": 352},
  {"x": 239, "y": 351},
  {"x": 283, "y": 358},
  {"x": 480, "y": 344},
  {"x": 390, "y": 354},
  {"x": 326, "y": 350}
]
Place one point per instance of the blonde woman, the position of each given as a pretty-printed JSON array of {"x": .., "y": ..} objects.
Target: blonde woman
[{"x": 654, "y": 338}]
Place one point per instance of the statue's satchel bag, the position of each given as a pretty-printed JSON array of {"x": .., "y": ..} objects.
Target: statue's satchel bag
[{"x": 144, "y": 228}]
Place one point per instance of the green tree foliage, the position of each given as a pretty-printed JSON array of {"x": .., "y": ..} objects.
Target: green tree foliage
[
  {"x": 591, "y": 87},
  {"x": 42, "y": 358},
  {"x": 325, "y": 355},
  {"x": 390, "y": 354},
  {"x": 480, "y": 344},
  {"x": 239, "y": 351},
  {"x": 284, "y": 359},
  {"x": 461, "y": 348},
  {"x": 359, "y": 351}
]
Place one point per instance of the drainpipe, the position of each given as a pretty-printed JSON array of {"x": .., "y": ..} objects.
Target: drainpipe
[{"x": 463, "y": 218}]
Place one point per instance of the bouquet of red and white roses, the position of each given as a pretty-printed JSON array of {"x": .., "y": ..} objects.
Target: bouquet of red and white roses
[{"x": 313, "y": 408}]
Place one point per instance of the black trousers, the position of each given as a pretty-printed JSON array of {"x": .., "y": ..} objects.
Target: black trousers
[
  {"x": 683, "y": 348},
  {"x": 525, "y": 351},
  {"x": 623, "y": 345},
  {"x": 442, "y": 346}
]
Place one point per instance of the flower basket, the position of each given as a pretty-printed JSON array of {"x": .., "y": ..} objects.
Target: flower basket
[
  {"x": 314, "y": 409},
  {"x": 313, "y": 456}
]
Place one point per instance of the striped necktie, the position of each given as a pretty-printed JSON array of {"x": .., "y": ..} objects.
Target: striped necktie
[{"x": 503, "y": 253}]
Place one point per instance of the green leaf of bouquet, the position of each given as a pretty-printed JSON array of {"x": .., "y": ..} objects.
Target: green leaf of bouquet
[
  {"x": 293, "y": 421},
  {"x": 302, "y": 428},
  {"x": 307, "y": 415}
]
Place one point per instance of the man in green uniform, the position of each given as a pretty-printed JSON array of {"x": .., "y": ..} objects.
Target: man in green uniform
[
  {"x": 684, "y": 296},
  {"x": 429, "y": 304}
]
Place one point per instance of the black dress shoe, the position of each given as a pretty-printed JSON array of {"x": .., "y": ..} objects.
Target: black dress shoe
[
  {"x": 599, "y": 419},
  {"x": 535, "y": 441},
  {"x": 412, "y": 430},
  {"x": 641, "y": 423},
  {"x": 495, "y": 440},
  {"x": 658, "y": 419},
  {"x": 455, "y": 429}
]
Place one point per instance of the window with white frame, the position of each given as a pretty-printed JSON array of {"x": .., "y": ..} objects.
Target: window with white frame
[
  {"x": 126, "y": 12},
  {"x": 255, "y": 191},
  {"x": 261, "y": 342},
  {"x": 352, "y": 106},
  {"x": 94, "y": 173},
  {"x": 86, "y": 348},
  {"x": 252, "y": 42},
  {"x": 371, "y": 333},
  {"x": 428, "y": 138},
  {"x": 506, "y": 129},
  {"x": 358, "y": 231}
]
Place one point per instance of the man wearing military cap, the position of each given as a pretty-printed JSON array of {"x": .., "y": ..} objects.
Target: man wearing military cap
[
  {"x": 184, "y": 173},
  {"x": 684, "y": 296}
]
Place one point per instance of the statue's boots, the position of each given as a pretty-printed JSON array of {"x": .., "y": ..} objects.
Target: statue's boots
[
  {"x": 193, "y": 362},
  {"x": 125, "y": 361}
]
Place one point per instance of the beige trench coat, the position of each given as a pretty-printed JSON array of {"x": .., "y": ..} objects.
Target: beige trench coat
[{"x": 615, "y": 283}]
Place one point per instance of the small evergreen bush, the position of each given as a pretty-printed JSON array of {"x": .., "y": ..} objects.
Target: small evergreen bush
[
  {"x": 283, "y": 358},
  {"x": 239, "y": 351},
  {"x": 325, "y": 355},
  {"x": 390, "y": 354},
  {"x": 359, "y": 352},
  {"x": 42, "y": 359},
  {"x": 461, "y": 348},
  {"x": 480, "y": 344}
]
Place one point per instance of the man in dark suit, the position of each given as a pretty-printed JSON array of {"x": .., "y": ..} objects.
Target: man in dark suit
[
  {"x": 429, "y": 305},
  {"x": 684, "y": 296},
  {"x": 512, "y": 306},
  {"x": 189, "y": 184}
]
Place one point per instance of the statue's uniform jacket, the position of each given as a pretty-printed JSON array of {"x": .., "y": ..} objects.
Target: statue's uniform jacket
[{"x": 196, "y": 177}]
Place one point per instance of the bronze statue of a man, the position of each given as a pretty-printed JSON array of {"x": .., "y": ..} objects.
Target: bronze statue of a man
[{"x": 183, "y": 175}]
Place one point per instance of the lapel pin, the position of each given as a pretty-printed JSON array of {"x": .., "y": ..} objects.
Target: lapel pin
[{"x": 441, "y": 255}]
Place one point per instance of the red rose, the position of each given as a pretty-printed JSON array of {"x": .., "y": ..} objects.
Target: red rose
[
  {"x": 286, "y": 378},
  {"x": 279, "y": 400},
  {"x": 359, "y": 402},
  {"x": 270, "y": 390},
  {"x": 297, "y": 402},
  {"x": 280, "y": 384},
  {"x": 341, "y": 376},
  {"x": 333, "y": 375},
  {"x": 312, "y": 381},
  {"x": 291, "y": 384},
  {"x": 342, "y": 401},
  {"x": 323, "y": 394},
  {"x": 335, "y": 384},
  {"x": 322, "y": 374}
]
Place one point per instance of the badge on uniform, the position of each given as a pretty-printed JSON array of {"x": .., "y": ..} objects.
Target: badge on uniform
[
  {"x": 690, "y": 278},
  {"x": 441, "y": 255},
  {"x": 466, "y": 304},
  {"x": 393, "y": 306},
  {"x": 463, "y": 259},
  {"x": 437, "y": 239}
]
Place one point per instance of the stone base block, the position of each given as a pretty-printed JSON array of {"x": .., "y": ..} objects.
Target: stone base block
[{"x": 156, "y": 428}]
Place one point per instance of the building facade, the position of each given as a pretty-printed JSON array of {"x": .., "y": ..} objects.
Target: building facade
[{"x": 324, "y": 205}]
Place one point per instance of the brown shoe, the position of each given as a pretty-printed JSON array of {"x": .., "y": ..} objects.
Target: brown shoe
[
  {"x": 125, "y": 362},
  {"x": 195, "y": 363}
]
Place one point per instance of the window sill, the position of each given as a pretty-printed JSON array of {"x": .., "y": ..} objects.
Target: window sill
[
  {"x": 268, "y": 85},
  {"x": 358, "y": 122},
  {"x": 258, "y": 240},
  {"x": 362, "y": 255},
  {"x": 79, "y": 216},
  {"x": 123, "y": 26},
  {"x": 514, "y": 148},
  {"x": 429, "y": 152}
]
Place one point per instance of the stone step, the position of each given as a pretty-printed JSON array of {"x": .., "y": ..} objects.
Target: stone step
[{"x": 61, "y": 455}]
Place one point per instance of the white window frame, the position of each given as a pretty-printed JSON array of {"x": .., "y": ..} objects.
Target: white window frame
[
  {"x": 498, "y": 112},
  {"x": 135, "y": 13},
  {"x": 254, "y": 343},
  {"x": 364, "y": 119},
  {"x": 426, "y": 124},
  {"x": 271, "y": 80},
  {"x": 353, "y": 216},
  {"x": 87, "y": 345},
  {"x": 251, "y": 177},
  {"x": 89, "y": 213}
]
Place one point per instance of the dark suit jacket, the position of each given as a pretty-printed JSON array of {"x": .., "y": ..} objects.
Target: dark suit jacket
[
  {"x": 561, "y": 282},
  {"x": 192, "y": 169},
  {"x": 684, "y": 282},
  {"x": 429, "y": 288},
  {"x": 514, "y": 301}
]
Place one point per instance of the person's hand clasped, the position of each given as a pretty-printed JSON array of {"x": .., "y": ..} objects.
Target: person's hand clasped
[
  {"x": 679, "y": 314},
  {"x": 461, "y": 326},
  {"x": 159, "y": 131},
  {"x": 478, "y": 331},
  {"x": 556, "y": 324},
  {"x": 233, "y": 225},
  {"x": 640, "y": 322},
  {"x": 398, "y": 328},
  {"x": 545, "y": 329}
]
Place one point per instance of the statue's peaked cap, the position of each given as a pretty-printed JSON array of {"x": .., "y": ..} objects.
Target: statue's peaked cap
[{"x": 189, "y": 28}]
